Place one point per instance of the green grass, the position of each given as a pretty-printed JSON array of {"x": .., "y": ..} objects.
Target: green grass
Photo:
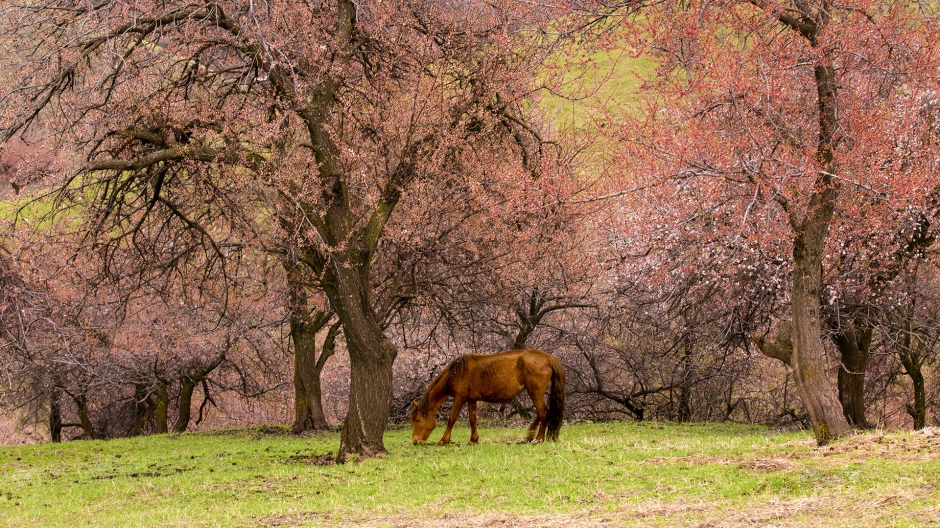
[
  {"x": 627, "y": 473},
  {"x": 610, "y": 81}
]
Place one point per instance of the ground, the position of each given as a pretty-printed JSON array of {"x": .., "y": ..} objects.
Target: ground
[{"x": 608, "y": 474}]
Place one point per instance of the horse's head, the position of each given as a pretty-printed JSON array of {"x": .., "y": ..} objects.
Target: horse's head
[{"x": 421, "y": 424}]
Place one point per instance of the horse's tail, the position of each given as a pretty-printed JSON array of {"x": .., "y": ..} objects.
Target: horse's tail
[{"x": 556, "y": 399}]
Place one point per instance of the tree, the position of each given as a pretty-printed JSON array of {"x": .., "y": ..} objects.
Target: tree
[
  {"x": 78, "y": 351},
  {"x": 855, "y": 314},
  {"x": 773, "y": 131},
  {"x": 194, "y": 121},
  {"x": 305, "y": 324}
]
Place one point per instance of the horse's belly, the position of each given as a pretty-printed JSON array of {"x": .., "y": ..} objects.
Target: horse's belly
[{"x": 498, "y": 394}]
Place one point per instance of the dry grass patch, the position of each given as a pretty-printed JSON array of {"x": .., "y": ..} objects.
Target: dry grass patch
[
  {"x": 902, "y": 446},
  {"x": 807, "y": 512},
  {"x": 830, "y": 510}
]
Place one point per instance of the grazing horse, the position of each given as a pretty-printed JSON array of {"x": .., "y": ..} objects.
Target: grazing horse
[{"x": 494, "y": 378}]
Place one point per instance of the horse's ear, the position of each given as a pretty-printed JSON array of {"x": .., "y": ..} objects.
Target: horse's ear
[{"x": 415, "y": 402}]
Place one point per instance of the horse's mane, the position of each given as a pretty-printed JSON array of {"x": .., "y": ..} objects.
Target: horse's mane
[{"x": 455, "y": 369}]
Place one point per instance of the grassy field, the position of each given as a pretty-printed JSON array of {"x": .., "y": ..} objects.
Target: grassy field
[{"x": 607, "y": 474}]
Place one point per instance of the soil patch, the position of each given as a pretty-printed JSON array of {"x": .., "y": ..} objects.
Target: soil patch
[{"x": 312, "y": 459}]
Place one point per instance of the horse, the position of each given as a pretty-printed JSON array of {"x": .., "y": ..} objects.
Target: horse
[{"x": 493, "y": 378}]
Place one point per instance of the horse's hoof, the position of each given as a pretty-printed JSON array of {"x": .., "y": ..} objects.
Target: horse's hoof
[
  {"x": 472, "y": 442},
  {"x": 536, "y": 441},
  {"x": 441, "y": 443}
]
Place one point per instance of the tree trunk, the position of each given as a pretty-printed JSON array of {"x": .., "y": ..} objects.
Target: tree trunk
[
  {"x": 55, "y": 419},
  {"x": 187, "y": 385},
  {"x": 142, "y": 420},
  {"x": 370, "y": 396},
  {"x": 303, "y": 414},
  {"x": 854, "y": 342},
  {"x": 308, "y": 409},
  {"x": 308, "y": 396},
  {"x": 811, "y": 228},
  {"x": 344, "y": 262},
  {"x": 143, "y": 406},
  {"x": 371, "y": 356},
  {"x": 316, "y": 394},
  {"x": 913, "y": 360},
  {"x": 800, "y": 344},
  {"x": 683, "y": 407},
  {"x": 684, "y": 404},
  {"x": 161, "y": 408},
  {"x": 304, "y": 327},
  {"x": 83, "y": 417},
  {"x": 917, "y": 410},
  {"x": 808, "y": 359}
]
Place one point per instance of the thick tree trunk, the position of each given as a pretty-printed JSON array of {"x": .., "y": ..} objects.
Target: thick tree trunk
[
  {"x": 854, "y": 343},
  {"x": 808, "y": 367},
  {"x": 371, "y": 356},
  {"x": 806, "y": 352},
  {"x": 344, "y": 261},
  {"x": 370, "y": 399},
  {"x": 808, "y": 359},
  {"x": 161, "y": 408},
  {"x": 303, "y": 414}
]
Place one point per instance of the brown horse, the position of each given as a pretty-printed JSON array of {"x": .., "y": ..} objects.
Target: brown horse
[{"x": 494, "y": 378}]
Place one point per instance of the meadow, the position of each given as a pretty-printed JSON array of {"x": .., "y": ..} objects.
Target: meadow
[{"x": 598, "y": 474}]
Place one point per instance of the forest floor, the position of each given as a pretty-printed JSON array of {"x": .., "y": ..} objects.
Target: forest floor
[{"x": 601, "y": 474}]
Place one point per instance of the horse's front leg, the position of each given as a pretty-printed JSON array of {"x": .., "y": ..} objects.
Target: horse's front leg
[
  {"x": 472, "y": 410},
  {"x": 454, "y": 412}
]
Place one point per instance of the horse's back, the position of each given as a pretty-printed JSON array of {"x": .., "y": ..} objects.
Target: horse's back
[
  {"x": 502, "y": 376},
  {"x": 527, "y": 355}
]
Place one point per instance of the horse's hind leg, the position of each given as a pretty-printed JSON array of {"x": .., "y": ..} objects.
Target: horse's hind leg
[
  {"x": 472, "y": 410},
  {"x": 536, "y": 380},
  {"x": 541, "y": 412},
  {"x": 532, "y": 429}
]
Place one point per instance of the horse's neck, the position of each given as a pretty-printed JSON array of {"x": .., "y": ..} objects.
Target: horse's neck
[{"x": 437, "y": 393}]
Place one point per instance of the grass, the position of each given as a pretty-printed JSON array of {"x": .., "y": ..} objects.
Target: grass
[
  {"x": 610, "y": 81},
  {"x": 624, "y": 473}
]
